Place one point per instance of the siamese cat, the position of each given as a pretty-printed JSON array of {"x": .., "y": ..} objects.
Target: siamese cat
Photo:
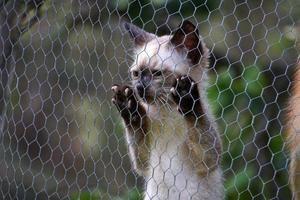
[{"x": 172, "y": 139}]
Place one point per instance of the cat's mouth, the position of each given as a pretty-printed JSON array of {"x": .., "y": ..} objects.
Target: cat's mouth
[
  {"x": 146, "y": 94},
  {"x": 152, "y": 96}
]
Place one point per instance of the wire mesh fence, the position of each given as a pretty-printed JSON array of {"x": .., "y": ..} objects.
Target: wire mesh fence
[{"x": 63, "y": 138}]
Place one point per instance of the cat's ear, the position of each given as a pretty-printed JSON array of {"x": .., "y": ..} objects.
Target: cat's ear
[
  {"x": 187, "y": 37},
  {"x": 139, "y": 36}
]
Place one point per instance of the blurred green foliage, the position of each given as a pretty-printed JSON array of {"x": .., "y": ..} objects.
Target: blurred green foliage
[
  {"x": 132, "y": 194},
  {"x": 236, "y": 99},
  {"x": 230, "y": 93},
  {"x": 150, "y": 13}
]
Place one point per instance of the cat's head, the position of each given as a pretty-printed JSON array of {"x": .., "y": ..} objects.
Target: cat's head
[{"x": 158, "y": 61}]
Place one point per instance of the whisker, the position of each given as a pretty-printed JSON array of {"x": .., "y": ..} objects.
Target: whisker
[{"x": 164, "y": 100}]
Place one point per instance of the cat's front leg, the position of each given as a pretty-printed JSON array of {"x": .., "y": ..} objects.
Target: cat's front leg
[
  {"x": 136, "y": 124},
  {"x": 202, "y": 141}
]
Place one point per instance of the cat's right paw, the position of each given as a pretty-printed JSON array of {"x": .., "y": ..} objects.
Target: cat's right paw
[
  {"x": 185, "y": 95},
  {"x": 125, "y": 101}
]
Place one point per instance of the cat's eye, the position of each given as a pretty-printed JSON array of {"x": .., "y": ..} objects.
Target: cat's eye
[
  {"x": 135, "y": 74},
  {"x": 156, "y": 73}
]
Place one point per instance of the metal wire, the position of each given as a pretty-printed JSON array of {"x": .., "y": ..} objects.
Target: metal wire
[{"x": 62, "y": 138}]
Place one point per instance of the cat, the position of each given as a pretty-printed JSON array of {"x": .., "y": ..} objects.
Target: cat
[{"x": 172, "y": 139}]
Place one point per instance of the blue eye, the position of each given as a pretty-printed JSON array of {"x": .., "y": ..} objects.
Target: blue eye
[{"x": 135, "y": 74}]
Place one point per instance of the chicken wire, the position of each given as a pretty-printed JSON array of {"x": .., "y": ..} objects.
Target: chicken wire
[{"x": 62, "y": 138}]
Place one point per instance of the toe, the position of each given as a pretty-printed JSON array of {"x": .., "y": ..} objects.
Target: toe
[
  {"x": 130, "y": 104},
  {"x": 128, "y": 92},
  {"x": 114, "y": 88},
  {"x": 172, "y": 90}
]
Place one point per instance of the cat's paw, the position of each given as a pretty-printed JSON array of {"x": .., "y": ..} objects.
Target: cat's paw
[
  {"x": 125, "y": 101},
  {"x": 123, "y": 98},
  {"x": 186, "y": 96}
]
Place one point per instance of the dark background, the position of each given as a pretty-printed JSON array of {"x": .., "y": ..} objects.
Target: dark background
[{"x": 61, "y": 138}]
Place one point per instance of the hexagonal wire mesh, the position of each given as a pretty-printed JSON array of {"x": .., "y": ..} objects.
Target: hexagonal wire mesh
[{"x": 62, "y": 138}]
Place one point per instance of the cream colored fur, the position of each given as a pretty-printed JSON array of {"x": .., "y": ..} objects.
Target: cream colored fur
[{"x": 169, "y": 175}]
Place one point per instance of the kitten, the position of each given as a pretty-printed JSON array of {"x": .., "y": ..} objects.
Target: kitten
[{"x": 172, "y": 138}]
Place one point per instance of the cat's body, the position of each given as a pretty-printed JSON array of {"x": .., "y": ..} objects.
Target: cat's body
[
  {"x": 293, "y": 137},
  {"x": 171, "y": 174},
  {"x": 172, "y": 139}
]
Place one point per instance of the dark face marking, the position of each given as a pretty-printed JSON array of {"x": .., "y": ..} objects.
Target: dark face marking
[{"x": 152, "y": 85}]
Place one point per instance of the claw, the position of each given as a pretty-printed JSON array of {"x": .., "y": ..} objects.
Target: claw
[
  {"x": 114, "y": 88},
  {"x": 172, "y": 90},
  {"x": 129, "y": 104},
  {"x": 126, "y": 92}
]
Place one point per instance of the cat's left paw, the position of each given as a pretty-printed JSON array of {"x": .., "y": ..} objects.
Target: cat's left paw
[{"x": 186, "y": 96}]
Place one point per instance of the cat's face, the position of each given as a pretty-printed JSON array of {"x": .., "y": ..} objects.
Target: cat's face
[{"x": 160, "y": 60}]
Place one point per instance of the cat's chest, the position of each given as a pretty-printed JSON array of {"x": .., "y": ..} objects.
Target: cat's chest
[
  {"x": 168, "y": 132},
  {"x": 167, "y": 126},
  {"x": 170, "y": 176}
]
